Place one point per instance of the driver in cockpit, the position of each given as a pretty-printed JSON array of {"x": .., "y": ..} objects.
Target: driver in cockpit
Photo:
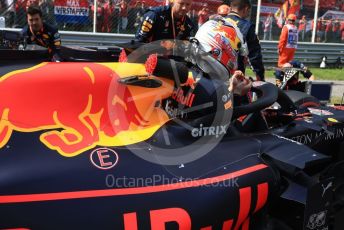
[{"x": 216, "y": 48}]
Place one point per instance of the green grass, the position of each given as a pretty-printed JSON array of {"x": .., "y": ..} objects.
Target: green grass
[
  {"x": 336, "y": 100},
  {"x": 320, "y": 74}
]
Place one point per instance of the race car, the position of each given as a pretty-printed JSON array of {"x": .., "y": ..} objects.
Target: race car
[{"x": 89, "y": 145}]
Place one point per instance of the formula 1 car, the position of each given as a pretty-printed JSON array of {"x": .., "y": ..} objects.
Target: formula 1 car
[{"x": 89, "y": 145}]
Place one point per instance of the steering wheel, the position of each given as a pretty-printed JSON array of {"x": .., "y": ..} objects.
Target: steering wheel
[{"x": 267, "y": 95}]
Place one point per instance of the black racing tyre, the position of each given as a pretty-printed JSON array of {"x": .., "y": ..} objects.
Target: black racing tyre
[{"x": 302, "y": 99}]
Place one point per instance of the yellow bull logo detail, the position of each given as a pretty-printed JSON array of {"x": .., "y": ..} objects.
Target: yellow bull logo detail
[{"x": 72, "y": 102}]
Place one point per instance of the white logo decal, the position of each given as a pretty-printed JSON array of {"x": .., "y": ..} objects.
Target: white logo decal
[
  {"x": 209, "y": 131},
  {"x": 325, "y": 188},
  {"x": 317, "y": 220}
]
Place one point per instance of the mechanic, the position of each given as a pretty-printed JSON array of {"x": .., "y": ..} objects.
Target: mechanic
[
  {"x": 41, "y": 33},
  {"x": 288, "y": 41},
  {"x": 240, "y": 9},
  {"x": 294, "y": 83},
  {"x": 223, "y": 10},
  {"x": 219, "y": 43},
  {"x": 167, "y": 22}
]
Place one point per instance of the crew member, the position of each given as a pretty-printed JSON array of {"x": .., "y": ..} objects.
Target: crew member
[
  {"x": 41, "y": 33},
  {"x": 240, "y": 9},
  {"x": 168, "y": 22},
  {"x": 294, "y": 83},
  {"x": 288, "y": 41},
  {"x": 223, "y": 10}
]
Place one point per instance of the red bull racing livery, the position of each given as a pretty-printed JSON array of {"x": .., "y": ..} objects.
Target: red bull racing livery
[{"x": 90, "y": 145}]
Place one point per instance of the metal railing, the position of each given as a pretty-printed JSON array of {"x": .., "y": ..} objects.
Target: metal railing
[{"x": 309, "y": 53}]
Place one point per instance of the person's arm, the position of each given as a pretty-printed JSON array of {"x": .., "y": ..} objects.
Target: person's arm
[
  {"x": 308, "y": 74},
  {"x": 55, "y": 45},
  {"x": 255, "y": 53},
  {"x": 238, "y": 84},
  {"x": 146, "y": 29}
]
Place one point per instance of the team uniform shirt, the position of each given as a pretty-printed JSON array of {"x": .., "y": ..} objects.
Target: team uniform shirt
[
  {"x": 48, "y": 37},
  {"x": 158, "y": 23},
  {"x": 287, "y": 44},
  {"x": 254, "y": 48}
]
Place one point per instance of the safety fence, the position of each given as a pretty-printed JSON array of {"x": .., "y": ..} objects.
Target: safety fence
[
  {"x": 310, "y": 53},
  {"x": 125, "y": 16}
]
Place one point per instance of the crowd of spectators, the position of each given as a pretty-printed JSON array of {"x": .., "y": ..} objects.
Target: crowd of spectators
[{"x": 125, "y": 16}]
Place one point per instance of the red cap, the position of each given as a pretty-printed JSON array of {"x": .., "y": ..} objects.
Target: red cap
[{"x": 291, "y": 17}]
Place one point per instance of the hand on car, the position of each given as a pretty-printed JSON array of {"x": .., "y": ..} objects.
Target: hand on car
[{"x": 239, "y": 84}]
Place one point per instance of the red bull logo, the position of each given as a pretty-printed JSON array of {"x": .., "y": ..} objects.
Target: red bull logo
[
  {"x": 74, "y": 103},
  {"x": 229, "y": 33}
]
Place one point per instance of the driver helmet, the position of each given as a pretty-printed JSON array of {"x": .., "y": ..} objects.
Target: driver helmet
[{"x": 223, "y": 40}]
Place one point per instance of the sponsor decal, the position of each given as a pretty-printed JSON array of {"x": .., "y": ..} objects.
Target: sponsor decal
[
  {"x": 227, "y": 100},
  {"x": 226, "y": 97},
  {"x": 174, "y": 112},
  {"x": 339, "y": 107},
  {"x": 149, "y": 20},
  {"x": 308, "y": 138},
  {"x": 228, "y": 105},
  {"x": 209, "y": 131},
  {"x": 187, "y": 100},
  {"x": 287, "y": 139},
  {"x": 308, "y": 120},
  {"x": 145, "y": 29},
  {"x": 147, "y": 24},
  {"x": 325, "y": 188},
  {"x": 317, "y": 221},
  {"x": 320, "y": 112},
  {"x": 104, "y": 158},
  {"x": 332, "y": 120}
]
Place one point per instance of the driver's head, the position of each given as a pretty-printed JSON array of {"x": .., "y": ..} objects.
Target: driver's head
[
  {"x": 291, "y": 18},
  {"x": 181, "y": 7},
  {"x": 223, "y": 41},
  {"x": 223, "y": 10},
  {"x": 241, "y": 7},
  {"x": 34, "y": 18}
]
